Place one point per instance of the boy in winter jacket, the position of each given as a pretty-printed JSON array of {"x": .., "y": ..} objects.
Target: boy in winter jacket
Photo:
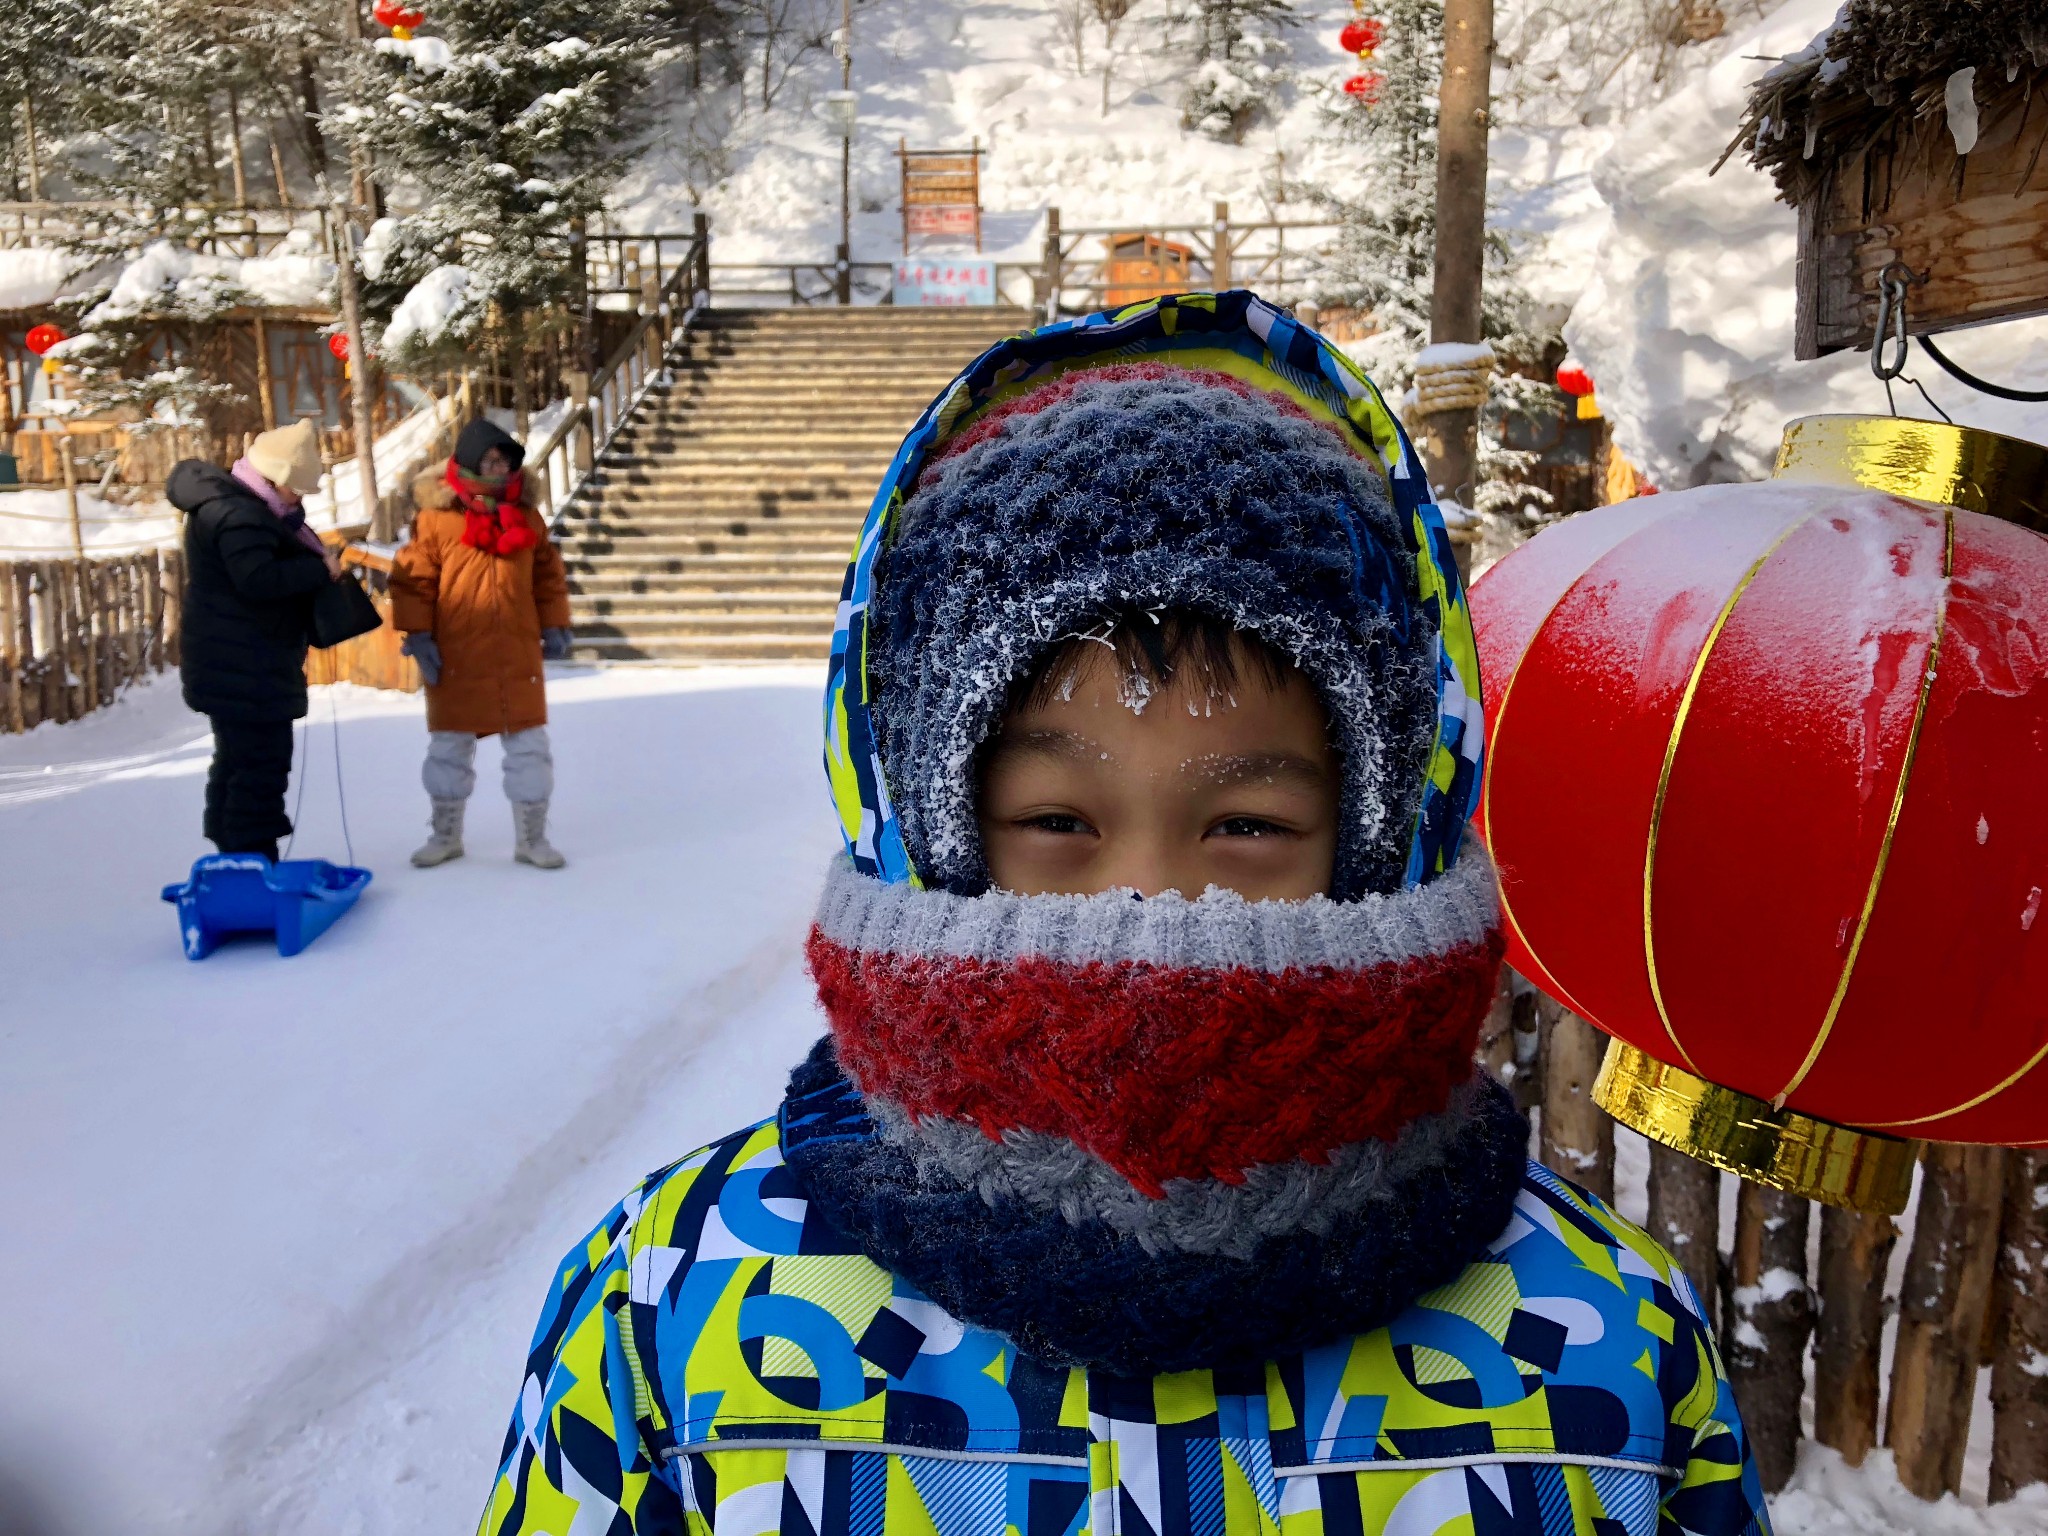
[
  {"x": 1144, "y": 1183},
  {"x": 481, "y": 595}
]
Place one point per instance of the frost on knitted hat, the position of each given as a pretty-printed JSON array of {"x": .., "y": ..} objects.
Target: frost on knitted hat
[{"x": 1143, "y": 487}]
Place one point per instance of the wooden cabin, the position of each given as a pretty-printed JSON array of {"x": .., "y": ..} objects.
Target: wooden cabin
[
  {"x": 1140, "y": 266},
  {"x": 1912, "y": 132}
]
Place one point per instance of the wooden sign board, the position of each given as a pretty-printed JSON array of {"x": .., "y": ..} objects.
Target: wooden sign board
[
  {"x": 1974, "y": 226},
  {"x": 941, "y": 192}
]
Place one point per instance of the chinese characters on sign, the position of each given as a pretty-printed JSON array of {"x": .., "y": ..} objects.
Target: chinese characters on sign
[{"x": 943, "y": 281}]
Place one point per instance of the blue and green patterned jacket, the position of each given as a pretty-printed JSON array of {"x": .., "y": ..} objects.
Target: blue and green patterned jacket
[{"x": 713, "y": 1359}]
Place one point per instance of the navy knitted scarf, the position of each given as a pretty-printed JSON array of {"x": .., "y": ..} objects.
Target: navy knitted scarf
[{"x": 1077, "y": 1292}]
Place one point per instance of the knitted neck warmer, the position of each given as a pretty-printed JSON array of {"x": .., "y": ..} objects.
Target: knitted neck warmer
[{"x": 1155, "y": 1135}]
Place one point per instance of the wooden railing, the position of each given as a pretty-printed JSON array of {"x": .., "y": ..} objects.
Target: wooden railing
[
  {"x": 1284, "y": 260},
  {"x": 73, "y": 633},
  {"x": 598, "y": 407},
  {"x": 221, "y": 230}
]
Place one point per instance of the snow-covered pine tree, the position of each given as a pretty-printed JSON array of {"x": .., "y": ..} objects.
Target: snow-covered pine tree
[
  {"x": 503, "y": 123},
  {"x": 1383, "y": 262},
  {"x": 1235, "y": 50},
  {"x": 36, "y": 103}
]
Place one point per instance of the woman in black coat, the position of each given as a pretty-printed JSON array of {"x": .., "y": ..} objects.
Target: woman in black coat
[{"x": 252, "y": 568}]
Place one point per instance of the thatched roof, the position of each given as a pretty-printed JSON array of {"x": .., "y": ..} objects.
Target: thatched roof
[{"x": 1884, "y": 65}]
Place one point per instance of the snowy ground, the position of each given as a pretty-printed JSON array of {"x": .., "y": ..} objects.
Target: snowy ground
[{"x": 276, "y": 1231}]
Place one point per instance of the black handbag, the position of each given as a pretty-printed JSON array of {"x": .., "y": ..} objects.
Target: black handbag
[{"x": 341, "y": 611}]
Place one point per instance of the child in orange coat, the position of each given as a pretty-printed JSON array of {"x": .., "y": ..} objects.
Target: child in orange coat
[{"x": 482, "y": 597}]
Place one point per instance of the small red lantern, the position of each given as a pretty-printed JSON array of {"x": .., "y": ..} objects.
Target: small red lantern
[
  {"x": 41, "y": 338},
  {"x": 1761, "y": 789},
  {"x": 396, "y": 15},
  {"x": 1364, "y": 88},
  {"x": 338, "y": 345},
  {"x": 1362, "y": 36},
  {"x": 1574, "y": 381}
]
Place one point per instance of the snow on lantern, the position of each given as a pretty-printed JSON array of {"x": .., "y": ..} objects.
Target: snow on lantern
[
  {"x": 338, "y": 345},
  {"x": 1362, "y": 36},
  {"x": 41, "y": 338},
  {"x": 1574, "y": 380},
  {"x": 1364, "y": 88},
  {"x": 1758, "y": 787}
]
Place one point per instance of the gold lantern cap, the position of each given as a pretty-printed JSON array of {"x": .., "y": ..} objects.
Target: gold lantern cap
[
  {"x": 1857, "y": 1170},
  {"x": 1964, "y": 467}
]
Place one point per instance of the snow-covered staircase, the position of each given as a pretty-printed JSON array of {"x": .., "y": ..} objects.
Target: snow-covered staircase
[{"x": 718, "y": 524}]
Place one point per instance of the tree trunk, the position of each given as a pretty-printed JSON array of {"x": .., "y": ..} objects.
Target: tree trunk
[
  {"x": 35, "y": 163},
  {"x": 309, "y": 101},
  {"x": 1464, "y": 114},
  {"x": 284, "y": 190},
  {"x": 1770, "y": 1318},
  {"x": 235, "y": 161},
  {"x": 1941, "y": 1315},
  {"x": 1685, "y": 1216},
  {"x": 1578, "y": 1136},
  {"x": 369, "y": 505},
  {"x": 1854, "y": 1252},
  {"x": 2019, "y": 1377}
]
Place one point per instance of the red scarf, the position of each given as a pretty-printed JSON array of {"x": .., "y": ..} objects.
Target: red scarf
[{"x": 494, "y": 518}]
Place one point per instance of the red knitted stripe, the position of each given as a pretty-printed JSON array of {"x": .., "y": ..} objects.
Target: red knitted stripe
[{"x": 1162, "y": 1072}]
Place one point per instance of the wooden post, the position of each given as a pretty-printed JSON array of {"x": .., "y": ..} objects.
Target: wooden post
[
  {"x": 580, "y": 435},
  {"x": 1464, "y": 114},
  {"x": 1578, "y": 1136},
  {"x": 266, "y": 390},
  {"x": 1768, "y": 1321},
  {"x": 241, "y": 169},
  {"x": 700, "y": 229},
  {"x": 284, "y": 189},
  {"x": 1685, "y": 1216},
  {"x": 1941, "y": 1315},
  {"x": 10, "y": 655},
  {"x": 1854, "y": 1253},
  {"x": 70, "y": 472},
  {"x": 1219, "y": 259},
  {"x": 1052, "y": 269},
  {"x": 174, "y": 607},
  {"x": 2019, "y": 1376}
]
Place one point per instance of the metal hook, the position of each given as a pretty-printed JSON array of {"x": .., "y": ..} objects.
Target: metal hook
[{"x": 1891, "y": 320}]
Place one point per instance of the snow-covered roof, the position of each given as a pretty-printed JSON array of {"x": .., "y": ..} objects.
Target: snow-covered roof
[{"x": 1882, "y": 65}]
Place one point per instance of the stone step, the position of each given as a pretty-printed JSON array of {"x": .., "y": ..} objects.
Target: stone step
[
  {"x": 725, "y": 650},
  {"x": 698, "y": 602},
  {"x": 739, "y": 433},
  {"x": 836, "y": 543},
  {"x": 630, "y": 507},
  {"x": 597, "y": 627},
  {"x": 680, "y": 578}
]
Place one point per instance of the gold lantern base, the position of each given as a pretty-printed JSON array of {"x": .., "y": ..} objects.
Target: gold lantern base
[{"x": 1857, "y": 1170}]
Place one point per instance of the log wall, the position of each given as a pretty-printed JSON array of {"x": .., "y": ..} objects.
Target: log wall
[{"x": 74, "y": 633}]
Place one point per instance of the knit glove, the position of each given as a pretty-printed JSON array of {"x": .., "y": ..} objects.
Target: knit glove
[
  {"x": 422, "y": 649},
  {"x": 554, "y": 644}
]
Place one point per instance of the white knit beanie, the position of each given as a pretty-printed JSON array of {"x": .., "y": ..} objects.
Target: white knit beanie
[{"x": 288, "y": 456}]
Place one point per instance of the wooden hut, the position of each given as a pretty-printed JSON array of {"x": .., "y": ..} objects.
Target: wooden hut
[
  {"x": 1910, "y": 137},
  {"x": 1140, "y": 266}
]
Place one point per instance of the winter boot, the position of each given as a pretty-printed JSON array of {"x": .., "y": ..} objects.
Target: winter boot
[
  {"x": 446, "y": 843},
  {"x": 530, "y": 818}
]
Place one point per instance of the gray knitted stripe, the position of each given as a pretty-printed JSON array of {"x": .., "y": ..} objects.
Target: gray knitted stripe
[
  {"x": 1197, "y": 1215},
  {"x": 1219, "y": 929}
]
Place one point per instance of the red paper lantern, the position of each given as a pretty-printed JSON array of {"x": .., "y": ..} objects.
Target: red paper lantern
[
  {"x": 1362, "y": 36},
  {"x": 1574, "y": 380},
  {"x": 1763, "y": 789},
  {"x": 338, "y": 345},
  {"x": 394, "y": 14},
  {"x": 41, "y": 338},
  {"x": 1364, "y": 88}
]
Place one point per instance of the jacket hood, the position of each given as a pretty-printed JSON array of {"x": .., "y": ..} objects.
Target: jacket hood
[
  {"x": 194, "y": 482},
  {"x": 479, "y": 438},
  {"x": 432, "y": 493},
  {"x": 1367, "y": 601}
]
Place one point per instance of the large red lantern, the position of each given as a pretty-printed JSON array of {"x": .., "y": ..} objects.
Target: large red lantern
[
  {"x": 394, "y": 14},
  {"x": 1574, "y": 380},
  {"x": 338, "y": 345},
  {"x": 41, "y": 338},
  {"x": 1762, "y": 789},
  {"x": 1365, "y": 88}
]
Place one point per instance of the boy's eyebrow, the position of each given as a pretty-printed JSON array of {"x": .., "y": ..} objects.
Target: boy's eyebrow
[
  {"x": 1069, "y": 745},
  {"x": 1239, "y": 767}
]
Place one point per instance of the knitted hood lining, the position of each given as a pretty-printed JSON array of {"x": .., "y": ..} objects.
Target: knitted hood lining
[
  {"x": 1207, "y": 1216},
  {"x": 1217, "y": 930}
]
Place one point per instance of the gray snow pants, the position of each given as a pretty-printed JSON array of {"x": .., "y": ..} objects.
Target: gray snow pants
[{"x": 450, "y": 771}]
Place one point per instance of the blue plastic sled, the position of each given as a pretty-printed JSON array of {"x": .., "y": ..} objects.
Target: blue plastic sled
[{"x": 232, "y": 893}]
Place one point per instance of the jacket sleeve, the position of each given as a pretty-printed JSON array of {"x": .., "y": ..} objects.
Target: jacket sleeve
[
  {"x": 576, "y": 1456},
  {"x": 1720, "y": 1492},
  {"x": 416, "y": 581},
  {"x": 257, "y": 570},
  {"x": 550, "y": 581}
]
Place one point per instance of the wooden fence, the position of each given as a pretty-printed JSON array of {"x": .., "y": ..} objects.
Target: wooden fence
[
  {"x": 73, "y": 633},
  {"x": 1802, "y": 1314}
]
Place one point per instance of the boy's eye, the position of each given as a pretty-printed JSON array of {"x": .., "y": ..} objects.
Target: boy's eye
[
  {"x": 1064, "y": 823},
  {"x": 1248, "y": 826}
]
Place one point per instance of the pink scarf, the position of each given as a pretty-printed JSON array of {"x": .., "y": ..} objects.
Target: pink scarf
[{"x": 252, "y": 477}]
